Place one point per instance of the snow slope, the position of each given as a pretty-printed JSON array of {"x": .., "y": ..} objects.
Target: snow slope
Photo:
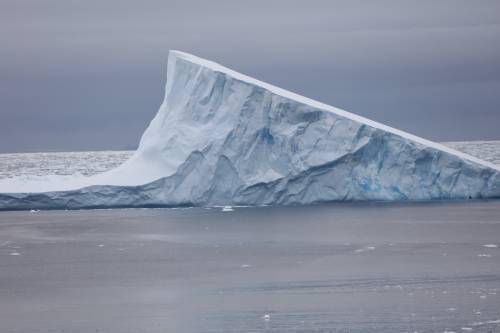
[{"x": 223, "y": 138}]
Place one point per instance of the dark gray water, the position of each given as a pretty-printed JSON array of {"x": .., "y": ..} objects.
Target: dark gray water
[{"x": 332, "y": 268}]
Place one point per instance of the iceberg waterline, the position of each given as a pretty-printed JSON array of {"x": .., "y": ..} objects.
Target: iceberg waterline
[{"x": 223, "y": 138}]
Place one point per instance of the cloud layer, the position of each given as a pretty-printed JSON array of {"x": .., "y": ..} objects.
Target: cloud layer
[{"x": 89, "y": 75}]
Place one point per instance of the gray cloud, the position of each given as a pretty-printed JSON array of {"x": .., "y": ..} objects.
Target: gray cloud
[{"x": 89, "y": 75}]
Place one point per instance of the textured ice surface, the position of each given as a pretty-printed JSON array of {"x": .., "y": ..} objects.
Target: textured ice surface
[{"x": 222, "y": 138}]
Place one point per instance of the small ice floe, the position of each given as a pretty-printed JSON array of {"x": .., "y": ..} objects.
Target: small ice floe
[
  {"x": 245, "y": 266},
  {"x": 34, "y": 210},
  {"x": 266, "y": 317},
  {"x": 448, "y": 331},
  {"x": 491, "y": 246},
  {"x": 482, "y": 297},
  {"x": 451, "y": 309},
  {"x": 227, "y": 209},
  {"x": 489, "y": 322},
  {"x": 364, "y": 249},
  {"x": 484, "y": 255},
  {"x": 100, "y": 245},
  {"x": 15, "y": 254},
  {"x": 466, "y": 329}
]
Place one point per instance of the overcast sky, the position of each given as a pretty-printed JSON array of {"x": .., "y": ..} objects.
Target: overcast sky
[{"x": 87, "y": 75}]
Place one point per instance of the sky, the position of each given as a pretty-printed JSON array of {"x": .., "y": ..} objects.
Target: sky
[{"x": 90, "y": 75}]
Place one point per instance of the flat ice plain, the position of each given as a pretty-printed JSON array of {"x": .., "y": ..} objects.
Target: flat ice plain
[{"x": 368, "y": 267}]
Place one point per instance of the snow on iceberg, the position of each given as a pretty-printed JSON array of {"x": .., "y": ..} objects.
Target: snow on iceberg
[{"x": 223, "y": 138}]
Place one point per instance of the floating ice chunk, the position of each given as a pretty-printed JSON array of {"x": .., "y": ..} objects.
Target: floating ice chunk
[
  {"x": 15, "y": 254},
  {"x": 484, "y": 255},
  {"x": 364, "y": 249},
  {"x": 490, "y": 245},
  {"x": 266, "y": 317},
  {"x": 489, "y": 322},
  {"x": 227, "y": 209}
]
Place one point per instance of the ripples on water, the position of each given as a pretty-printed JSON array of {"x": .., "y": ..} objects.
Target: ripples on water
[
  {"x": 346, "y": 268},
  {"x": 92, "y": 162},
  {"x": 486, "y": 150},
  {"x": 61, "y": 163}
]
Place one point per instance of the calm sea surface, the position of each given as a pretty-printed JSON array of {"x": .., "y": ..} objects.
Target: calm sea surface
[
  {"x": 370, "y": 267},
  {"x": 379, "y": 267}
]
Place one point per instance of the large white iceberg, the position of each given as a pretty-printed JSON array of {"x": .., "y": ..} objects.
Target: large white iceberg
[{"x": 223, "y": 138}]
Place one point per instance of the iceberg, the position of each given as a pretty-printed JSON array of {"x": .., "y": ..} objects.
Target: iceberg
[{"x": 221, "y": 138}]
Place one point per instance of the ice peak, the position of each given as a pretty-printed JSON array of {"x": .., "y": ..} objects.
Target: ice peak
[{"x": 175, "y": 54}]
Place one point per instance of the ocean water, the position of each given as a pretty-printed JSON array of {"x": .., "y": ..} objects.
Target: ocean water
[
  {"x": 344, "y": 267},
  {"x": 347, "y": 268},
  {"x": 92, "y": 162},
  {"x": 486, "y": 150},
  {"x": 60, "y": 163}
]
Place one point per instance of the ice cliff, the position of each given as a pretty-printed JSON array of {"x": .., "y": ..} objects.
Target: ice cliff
[{"x": 223, "y": 138}]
